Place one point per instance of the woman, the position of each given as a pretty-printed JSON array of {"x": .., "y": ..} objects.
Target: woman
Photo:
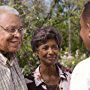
[{"x": 49, "y": 75}]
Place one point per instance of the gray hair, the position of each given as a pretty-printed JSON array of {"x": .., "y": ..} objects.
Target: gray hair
[{"x": 9, "y": 9}]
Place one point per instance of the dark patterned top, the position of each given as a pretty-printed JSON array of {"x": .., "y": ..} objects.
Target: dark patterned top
[{"x": 34, "y": 82}]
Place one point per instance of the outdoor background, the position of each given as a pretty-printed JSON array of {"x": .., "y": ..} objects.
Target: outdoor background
[{"x": 63, "y": 15}]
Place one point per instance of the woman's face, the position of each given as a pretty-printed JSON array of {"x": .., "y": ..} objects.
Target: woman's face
[{"x": 48, "y": 53}]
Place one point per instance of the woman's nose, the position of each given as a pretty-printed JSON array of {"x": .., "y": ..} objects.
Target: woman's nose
[{"x": 50, "y": 51}]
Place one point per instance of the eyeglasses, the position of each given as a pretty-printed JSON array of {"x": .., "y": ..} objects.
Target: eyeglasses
[{"x": 13, "y": 30}]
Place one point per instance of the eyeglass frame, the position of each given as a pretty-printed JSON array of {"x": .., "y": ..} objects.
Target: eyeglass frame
[{"x": 20, "y": 30}]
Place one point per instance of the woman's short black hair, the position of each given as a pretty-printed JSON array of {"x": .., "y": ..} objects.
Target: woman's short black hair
[{"x": 41, "y": 36}]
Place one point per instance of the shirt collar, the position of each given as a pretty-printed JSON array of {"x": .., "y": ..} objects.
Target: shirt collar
[
  {"x": 37, "y": 77},
  {"x": 5, "y": 61},
  {"x": 39, "y": 80}
]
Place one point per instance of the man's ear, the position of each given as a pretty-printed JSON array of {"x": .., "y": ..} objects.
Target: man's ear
[{"x": 88, "y": 25}]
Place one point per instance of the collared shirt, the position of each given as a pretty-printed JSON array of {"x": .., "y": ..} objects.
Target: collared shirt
[
  {"x": 11, "y": 77},
  {"x": 39, "y": 82},
  {"x": 80, "y": 78}
]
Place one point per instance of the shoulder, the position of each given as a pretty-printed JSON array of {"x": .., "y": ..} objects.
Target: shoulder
[
  {"x": 64, "y": 69},
  {"x": 80, "y": 76},
  {"x": 81, "y": 71},
  {"x": 83, "y": 66},
  {"x": 65, "y": 75},
  {"x": 84, "y": 62},
  {"x": 66, "y": 72},
  {"x": 29, "y": 77},
  {"x": 30, "y": 82}
]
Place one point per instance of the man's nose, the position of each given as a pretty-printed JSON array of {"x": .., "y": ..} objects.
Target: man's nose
[{"x": 17, "y": 34}]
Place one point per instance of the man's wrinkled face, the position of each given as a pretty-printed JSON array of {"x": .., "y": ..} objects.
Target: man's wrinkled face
[
  {"x": 10, "y": 33},
  {"x": 84, "y": 33}
]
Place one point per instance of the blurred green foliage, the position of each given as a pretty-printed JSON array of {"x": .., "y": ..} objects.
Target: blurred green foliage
[{"x": 62, "y": 14}]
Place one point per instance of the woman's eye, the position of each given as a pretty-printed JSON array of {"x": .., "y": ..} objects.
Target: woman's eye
[
  {"x": 45, "y": 48},
  {"x": 55, "y": 47}
]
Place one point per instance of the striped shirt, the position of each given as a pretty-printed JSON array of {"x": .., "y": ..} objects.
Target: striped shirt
[{"x": 11, "y": 77}]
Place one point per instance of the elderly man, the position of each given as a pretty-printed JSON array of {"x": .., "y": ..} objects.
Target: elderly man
[{"x": 11, "y": 33}]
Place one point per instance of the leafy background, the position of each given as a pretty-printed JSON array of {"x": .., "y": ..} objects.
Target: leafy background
[{"x": 63, "y": 15}]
